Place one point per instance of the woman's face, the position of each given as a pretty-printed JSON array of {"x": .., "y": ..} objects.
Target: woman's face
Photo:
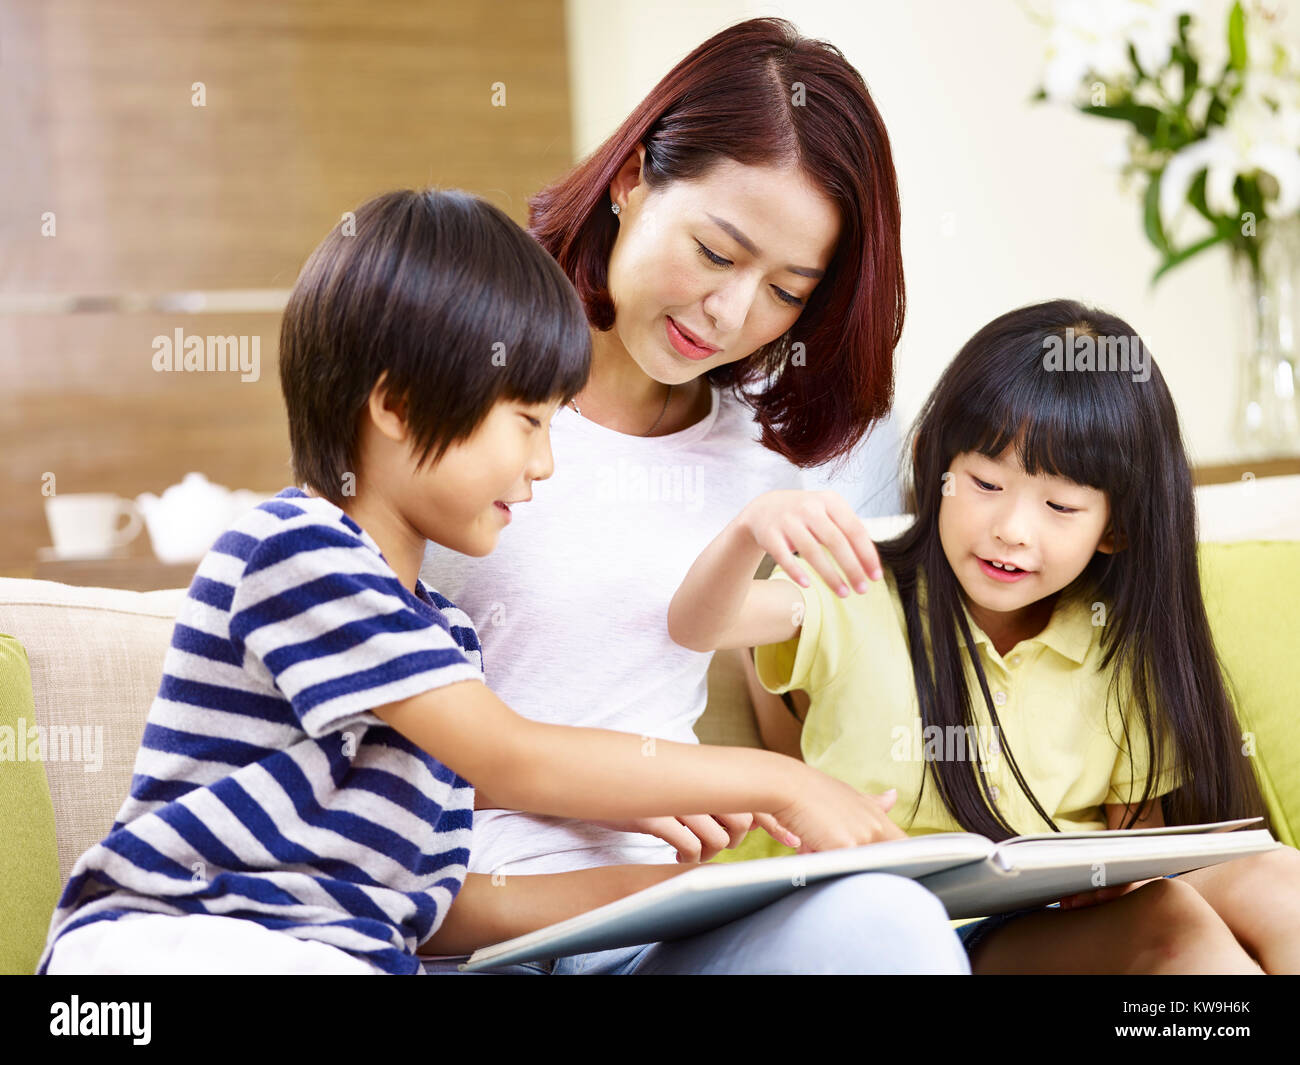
[{"x": 770, "y": 234}]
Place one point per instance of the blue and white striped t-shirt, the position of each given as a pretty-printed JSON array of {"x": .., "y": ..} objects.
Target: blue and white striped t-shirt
[{"x": 265, "y": 788}]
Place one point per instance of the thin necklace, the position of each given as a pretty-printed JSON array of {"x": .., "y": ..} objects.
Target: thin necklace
[{"x": 574, "y": 404}]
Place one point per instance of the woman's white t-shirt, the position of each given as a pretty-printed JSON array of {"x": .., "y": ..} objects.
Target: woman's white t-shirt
[{"x": 571, "y": 608}]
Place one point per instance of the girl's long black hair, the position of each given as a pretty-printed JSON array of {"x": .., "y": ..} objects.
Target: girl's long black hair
[{"x": 1109, "y": 430}]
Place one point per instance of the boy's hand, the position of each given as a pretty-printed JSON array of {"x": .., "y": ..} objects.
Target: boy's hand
[
  {"x": 700, "y": 837},
  {"x": 784, "y": 522},
  {"x": 829, "y": 814}
]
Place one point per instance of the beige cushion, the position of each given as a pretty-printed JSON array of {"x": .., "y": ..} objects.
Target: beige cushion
[{"x": 96, "y": 659}]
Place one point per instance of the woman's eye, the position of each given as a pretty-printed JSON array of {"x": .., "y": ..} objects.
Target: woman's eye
[
  {"x": 1062, "y": 509},
  {"x": 718, "y": 260},
  {"x": 984, "y": 484}
]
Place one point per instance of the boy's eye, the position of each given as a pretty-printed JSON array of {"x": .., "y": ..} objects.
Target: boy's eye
[
  {"x": 781, "y": 294},
  {"x": 535, "y": 423}
]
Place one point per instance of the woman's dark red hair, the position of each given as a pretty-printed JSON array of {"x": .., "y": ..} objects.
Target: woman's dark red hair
[{"x": 760, "y": 94}]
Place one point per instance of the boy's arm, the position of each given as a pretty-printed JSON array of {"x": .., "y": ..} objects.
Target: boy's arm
[
  {"x": 719, "y": 604},
  {"x": 594, "y": 774},
  {"x": 487, "y": 912}
]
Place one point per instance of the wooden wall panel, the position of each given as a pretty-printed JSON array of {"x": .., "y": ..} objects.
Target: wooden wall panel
[{"x": 311, "y": 107}]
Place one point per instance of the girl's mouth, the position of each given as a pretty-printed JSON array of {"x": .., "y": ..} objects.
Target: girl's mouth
[{"x": 1004, "y": 572}]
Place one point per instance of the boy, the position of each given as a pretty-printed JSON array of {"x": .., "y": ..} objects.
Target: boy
[{"x": 301, "y": 799}]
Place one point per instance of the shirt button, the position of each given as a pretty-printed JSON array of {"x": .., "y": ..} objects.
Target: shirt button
[
  {"x": 993, "y": 793},
  {"x": 1015, "y": 660},
  {"x": 999, "y": 697}
]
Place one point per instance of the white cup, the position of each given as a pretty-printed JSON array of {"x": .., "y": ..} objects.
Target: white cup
[{"x": 88, "y": 524}]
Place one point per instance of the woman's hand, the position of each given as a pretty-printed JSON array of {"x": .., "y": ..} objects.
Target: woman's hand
[
  {"x": 699, "y": 837},
  {"x": 784, "y": 522}
]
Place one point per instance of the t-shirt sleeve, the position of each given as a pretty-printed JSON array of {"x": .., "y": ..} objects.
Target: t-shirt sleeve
[
  {"x": 827, "y": 636},
  {"x": 331, "y": 624}
]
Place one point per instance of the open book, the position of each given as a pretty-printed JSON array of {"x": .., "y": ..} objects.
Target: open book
[{"x": 971, "y": 875}]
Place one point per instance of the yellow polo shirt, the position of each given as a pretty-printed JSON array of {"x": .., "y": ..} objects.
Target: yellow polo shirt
[{"x": 1051, "y": 694}]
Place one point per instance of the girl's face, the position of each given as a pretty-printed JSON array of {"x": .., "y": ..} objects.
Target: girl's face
[
  {"x": 1047, "y": 528},
  {"x": 730, "y": 258}
]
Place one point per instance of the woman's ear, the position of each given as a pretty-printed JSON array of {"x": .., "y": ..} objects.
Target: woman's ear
[
  {"x": 386, "y": 411},
  {"x": 627, "y": 178}
]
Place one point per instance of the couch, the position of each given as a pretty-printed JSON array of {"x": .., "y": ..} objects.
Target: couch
[{"x": 84, "y": 664}]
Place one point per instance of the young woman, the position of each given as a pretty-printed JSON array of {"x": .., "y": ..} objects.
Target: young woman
[{"x": 735, "y": 244}]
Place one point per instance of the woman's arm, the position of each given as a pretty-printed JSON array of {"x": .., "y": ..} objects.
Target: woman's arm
[{"x": 491, "y": 908}]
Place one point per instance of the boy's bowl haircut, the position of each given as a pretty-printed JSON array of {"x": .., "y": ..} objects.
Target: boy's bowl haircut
[{"x": 445, "y": 294}]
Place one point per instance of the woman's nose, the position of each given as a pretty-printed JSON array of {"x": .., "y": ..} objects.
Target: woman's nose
[{"x": 728, "y": 304}]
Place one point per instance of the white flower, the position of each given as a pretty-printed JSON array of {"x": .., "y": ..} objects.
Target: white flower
[
  {"x": 1091, "y": 38},
  {"x": 1255, "y": 138}
]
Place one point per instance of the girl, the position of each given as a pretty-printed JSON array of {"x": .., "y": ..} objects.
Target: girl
[{"x": 1046, "y": 595}]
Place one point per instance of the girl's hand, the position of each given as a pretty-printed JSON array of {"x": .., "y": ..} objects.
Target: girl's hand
[
  {"x": 699, "y": 837},
  {"x": 784, "y": 522},
  {"x": 830, "y": 814},
  {"x": 1105, "y": 894}
]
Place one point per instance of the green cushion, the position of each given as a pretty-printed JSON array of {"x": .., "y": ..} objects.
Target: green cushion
[
  {"x": 29, "y": 861},
  {"x": 1252, "y": 595}
]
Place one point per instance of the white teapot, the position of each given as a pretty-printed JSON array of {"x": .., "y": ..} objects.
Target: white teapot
[{"x": 185, "y": 521}]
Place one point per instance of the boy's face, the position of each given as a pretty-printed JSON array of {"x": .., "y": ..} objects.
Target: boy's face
[
  {"x": 463, "y": 501},
  {"x": 1048, "y": 528}
]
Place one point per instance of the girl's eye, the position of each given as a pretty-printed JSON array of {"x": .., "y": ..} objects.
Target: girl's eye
[
  {"x": 984, "y": 484},
  {"x": 1060, "y": 509},
  {"x": 718, "y": 260}
]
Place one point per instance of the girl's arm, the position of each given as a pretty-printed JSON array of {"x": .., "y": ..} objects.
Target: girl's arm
[
  {"x": 780, "y": 729},
  {"x": 720, "y": 605},
  {"x": 1117, "y": 815}
]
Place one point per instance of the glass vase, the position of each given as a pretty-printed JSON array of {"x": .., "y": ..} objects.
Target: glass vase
[{"x": 1266, "y": 419}]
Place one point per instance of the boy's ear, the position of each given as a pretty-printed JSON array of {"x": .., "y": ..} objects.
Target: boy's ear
[{"x": 386, "y": 411}]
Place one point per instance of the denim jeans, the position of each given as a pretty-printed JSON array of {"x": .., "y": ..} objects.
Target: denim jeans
[{"x": 865, "y": 923}]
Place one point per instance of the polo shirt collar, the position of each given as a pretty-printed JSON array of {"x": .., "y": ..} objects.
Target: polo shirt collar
[{"x": 1069, "y": 631}]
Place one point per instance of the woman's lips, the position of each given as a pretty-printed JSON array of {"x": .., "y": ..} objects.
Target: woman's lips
[
  {"x": 684, "y": 346},
  {"x": 504, "y": 510}
]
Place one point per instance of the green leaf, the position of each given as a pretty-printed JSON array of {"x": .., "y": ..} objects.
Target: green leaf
[
  {"x": 1143, "y": 117},
  {"x": 1237, "y": 37},
  {"x": 1151, "y": 216},
  {"x": 1179, "y": 257}
]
